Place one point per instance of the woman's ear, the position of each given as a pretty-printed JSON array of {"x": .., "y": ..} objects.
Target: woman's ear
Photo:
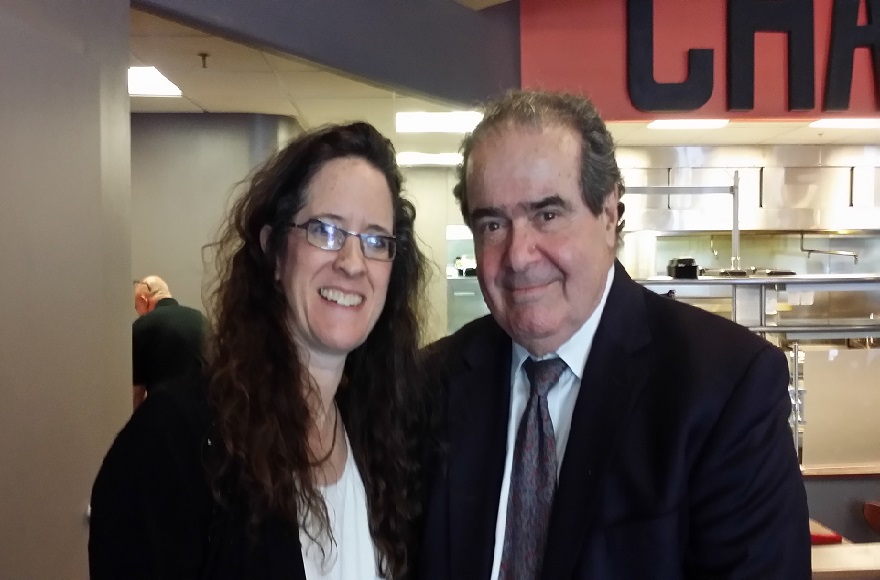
[{"x": 265, "y": 232}]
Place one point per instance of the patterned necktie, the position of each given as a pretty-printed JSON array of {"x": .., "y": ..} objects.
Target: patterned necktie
[{"x": 533, "y": 477}]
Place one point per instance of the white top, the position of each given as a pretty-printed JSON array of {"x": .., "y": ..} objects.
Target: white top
[
  {"x": 352, "y": 555},
  {"x": 560, "y": 401}
]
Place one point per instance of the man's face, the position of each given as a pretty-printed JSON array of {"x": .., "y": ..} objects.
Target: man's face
[{"x": 542, "y": 256}]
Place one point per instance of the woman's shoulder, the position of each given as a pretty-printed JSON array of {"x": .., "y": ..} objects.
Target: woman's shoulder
[
  {"x": 175, "y": 419},
  {"x": 151, "y": 502},
  {"x": 184, "y": 397}
]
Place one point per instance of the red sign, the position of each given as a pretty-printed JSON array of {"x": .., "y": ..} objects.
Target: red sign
[{"x": 599, "y": 49}]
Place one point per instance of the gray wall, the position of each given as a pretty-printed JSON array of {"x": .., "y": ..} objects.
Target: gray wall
[
  {"x": 433, "y": 47},
  {"x": 65, "y": 344},
  {"x": 184, "y": 169}
]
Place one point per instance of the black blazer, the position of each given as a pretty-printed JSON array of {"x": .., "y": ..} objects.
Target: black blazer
[
  {"x": 680, "y": 461},
  {"x": 153, "y": 513}
]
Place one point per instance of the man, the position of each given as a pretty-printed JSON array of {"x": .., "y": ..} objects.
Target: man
[
  {"x": 652, "y": 438},
  {"x": 166, "y": 338}
]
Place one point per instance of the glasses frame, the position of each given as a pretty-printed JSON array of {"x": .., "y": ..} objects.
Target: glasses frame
[{"x": 363, "y": 237}]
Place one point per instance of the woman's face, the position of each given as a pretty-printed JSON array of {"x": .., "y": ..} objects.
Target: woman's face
[{"x": 335, "y": 297}]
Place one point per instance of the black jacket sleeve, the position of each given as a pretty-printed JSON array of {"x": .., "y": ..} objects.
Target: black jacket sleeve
[
  {"x": 151, "y": 503},
  {"x": 748, "y": 505}
]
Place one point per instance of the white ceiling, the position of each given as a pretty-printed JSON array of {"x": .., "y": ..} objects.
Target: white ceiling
[{"x": 242, "y": 79}]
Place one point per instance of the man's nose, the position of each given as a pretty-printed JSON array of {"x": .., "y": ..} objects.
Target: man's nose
[{"x": 522, "y": 246}]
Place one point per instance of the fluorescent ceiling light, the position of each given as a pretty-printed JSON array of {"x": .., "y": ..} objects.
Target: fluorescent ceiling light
[
  {"x": 688, "y": 123},
  {"x": 414, "y": 158},
  {"x": 452, "y": 122},
  {"x": 846, "y": 124},
  {"x": 146, "y": 81}
]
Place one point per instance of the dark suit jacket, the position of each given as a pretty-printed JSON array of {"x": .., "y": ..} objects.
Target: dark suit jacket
[
  {"x": 153, "y": 512},
  {"x": 680, "y": 461}
]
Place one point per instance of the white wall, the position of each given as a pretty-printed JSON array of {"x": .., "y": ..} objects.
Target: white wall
[{"x": 65, "y": 345}]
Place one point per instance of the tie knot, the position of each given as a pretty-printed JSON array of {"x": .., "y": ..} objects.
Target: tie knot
[{"x": 544, "y": 374}]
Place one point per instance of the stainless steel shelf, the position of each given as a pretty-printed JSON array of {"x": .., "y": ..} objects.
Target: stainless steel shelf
[
  {"x": 820, "y": 331},
  {"x": 806, "y": 282}
]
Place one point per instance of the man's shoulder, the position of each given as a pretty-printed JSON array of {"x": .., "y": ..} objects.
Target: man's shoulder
[
  {"x": 447, "y": 354},
  {"x": 480, "y": 329},
  {"x": 175, "y": 314},
  {"x": 678, "y": 323}
]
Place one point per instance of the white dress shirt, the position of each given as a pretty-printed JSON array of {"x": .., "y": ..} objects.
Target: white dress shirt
[{"x": 560, "y": 401}]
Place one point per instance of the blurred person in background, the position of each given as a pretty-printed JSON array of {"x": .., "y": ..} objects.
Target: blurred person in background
[
  {"x": 167, "y": 338},
  {"x": 298, "y": 455}
]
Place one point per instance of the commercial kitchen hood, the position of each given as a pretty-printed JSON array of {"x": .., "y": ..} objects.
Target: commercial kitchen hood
[{"x": 780, "y": 188}]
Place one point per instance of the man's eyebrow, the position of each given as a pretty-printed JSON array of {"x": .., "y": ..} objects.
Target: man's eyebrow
[
  {"x": 548, "y": 202},
  {"x": 486, "y": 212}
]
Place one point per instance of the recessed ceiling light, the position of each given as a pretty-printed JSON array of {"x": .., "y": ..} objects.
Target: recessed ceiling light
[
  {"x": 146, "y": 81},
  {"x": 688, "y": 123},
  {"x": 846, "y": 124},
  {"x": 451, "y": 122},
  {"x": 414, "y": 158}
]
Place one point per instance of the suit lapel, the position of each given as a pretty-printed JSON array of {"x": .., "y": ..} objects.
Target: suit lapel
[
  {"x": 479, "y": 405},
  {"x": 615, "y": 373}
]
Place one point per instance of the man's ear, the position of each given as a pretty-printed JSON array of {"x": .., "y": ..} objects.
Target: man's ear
[
  {"x": 265, "y": 232},
  {"x": 610, "y": 210}
]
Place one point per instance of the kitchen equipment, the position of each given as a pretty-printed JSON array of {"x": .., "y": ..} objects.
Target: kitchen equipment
[
  {"x": 766, "y": 272},
  {"x": 682, "y": 268},
  {"x": 724, "y": 273},
  {"x": 466, "y": 265}
]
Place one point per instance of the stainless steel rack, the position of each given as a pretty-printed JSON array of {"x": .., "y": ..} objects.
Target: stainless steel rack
[{"x": 793, "y": 332}]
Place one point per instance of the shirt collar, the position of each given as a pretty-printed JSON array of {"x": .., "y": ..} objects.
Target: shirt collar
[{"x": 575, "y": 350}]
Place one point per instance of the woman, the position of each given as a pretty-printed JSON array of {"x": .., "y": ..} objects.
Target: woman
[{"x": 297, "y": 454}]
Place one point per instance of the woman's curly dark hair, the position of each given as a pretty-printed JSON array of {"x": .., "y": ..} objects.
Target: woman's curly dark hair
[{"x": 253, "y": 360}]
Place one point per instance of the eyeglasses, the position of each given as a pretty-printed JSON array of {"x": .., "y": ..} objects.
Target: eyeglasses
[{"x": 329, "y": 237}]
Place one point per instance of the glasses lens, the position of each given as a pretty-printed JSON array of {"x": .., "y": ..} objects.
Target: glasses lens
[
  {"x": 378, "y": 247},
  {"x": 325, "y": 236},
  {"x": 330, "y": 237}
]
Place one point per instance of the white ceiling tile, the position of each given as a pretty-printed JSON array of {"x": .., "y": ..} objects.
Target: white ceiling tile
[
  {"x": 286, "y": 63},
  {"x": 378, "y": 112},
  {"x": 621, "y": 130},
  {"x": 405, "y": 104},
  {"x": 135, "y": 61},
  {"x": 861, "y": 137},
  {"x": 181, "y": 53},
  {"x": 217, "y": 91},
  {"x": 314, "y": 85}
]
